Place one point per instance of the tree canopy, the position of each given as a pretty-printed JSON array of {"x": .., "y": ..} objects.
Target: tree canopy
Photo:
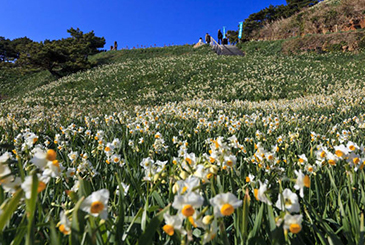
[{"x": 59, "y": 57}]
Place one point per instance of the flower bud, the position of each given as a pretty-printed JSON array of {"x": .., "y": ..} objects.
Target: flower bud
[{"x": 208, "y": 219}]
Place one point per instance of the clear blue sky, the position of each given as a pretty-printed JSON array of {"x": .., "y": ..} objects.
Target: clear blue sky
[{"x": 131, "y": 23}]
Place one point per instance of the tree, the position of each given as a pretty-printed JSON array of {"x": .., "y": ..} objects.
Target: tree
[
  {"x": 61, "y": 57},
  {"x": 232, "y": 36}
]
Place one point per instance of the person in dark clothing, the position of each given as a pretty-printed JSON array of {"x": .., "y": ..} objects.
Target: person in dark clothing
[
  {"x": 220, "y": 37},
  {"x": 207, "y": 38}
]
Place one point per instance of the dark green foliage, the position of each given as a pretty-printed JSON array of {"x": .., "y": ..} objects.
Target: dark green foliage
[
  {"x": 232, "y": 36},
  {"x": 61, "y": 57},
  {"x": 10, "y": 49}
]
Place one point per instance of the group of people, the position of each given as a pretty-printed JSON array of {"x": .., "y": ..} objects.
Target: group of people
[
  {"x": 221, "y": 39},
  {"x": 115, "y": 47}
]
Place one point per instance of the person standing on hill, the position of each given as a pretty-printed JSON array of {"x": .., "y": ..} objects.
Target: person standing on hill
[
  {"x": 220, "y": 37},
  {"x": 115, "y": 45},
  {"x": 207, "y": 38}
]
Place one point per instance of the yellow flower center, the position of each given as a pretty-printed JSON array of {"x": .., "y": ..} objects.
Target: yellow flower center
[
  {"x": 323, "y": 154},
  {"x": 107, "y": 148},
  {"x": 256, "y": 193},
  {"x": 227, "y": 209},
  {"x": 188, "y": 210},
  {"x": 271, "y": 157},
  {"x": 56, "y": 163},
  {"x": 332, "y": 162},
  {"x": 307, "y": 181},
  {"x": 184, "y": 189},
  {"x": 295, "y": 228},
  {"x": 211, "y": 160},
  {"x": 64, "y": 230},
  {"x": 339, "y": 153},
  {"x": 41, "y": 186},
  {"x": 230, "y": 163},
  {"x": 188, "y": 160},
  {"x": 356, "y": 160},
  {"x": 169, "y": 229},
  {"x": 352, "y": 147},
  {"x": 310, "y": 169},
  {"x": 35, "y": 140},
  {"x": 51, "y": 155},
  {"x": 96, "y": 207},
  {"x": 209, "y": 175},
  {"x": 248, "y": 179},
  {"x": 287, "y": 202},
  {"x": 301, "y": 160}
]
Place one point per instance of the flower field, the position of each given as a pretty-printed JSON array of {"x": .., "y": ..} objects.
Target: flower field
[{"x": 168, "y": 150}]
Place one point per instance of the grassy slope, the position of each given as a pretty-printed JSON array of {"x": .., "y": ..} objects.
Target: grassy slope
[{"x": 159, "y": 75}]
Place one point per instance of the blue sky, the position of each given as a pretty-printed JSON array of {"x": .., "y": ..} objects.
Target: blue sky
[{"x": 130, "y": 23}]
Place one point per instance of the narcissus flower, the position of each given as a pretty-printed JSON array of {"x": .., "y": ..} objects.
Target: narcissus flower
[
  {"x": 301, "y": 182},
  {"x": 65, "y": 224},
  {"x": 97, "y": 203},
  {"x": 188, "y": 203},
  {"x": 293, "y": 223},
  {"x": 289, "y": 201},
  {"x": 28, "y": 182},
  {"x": 173, "y": 222},
  {"x": 225, "y": 204},
  {"x": 260, "y": 194}
]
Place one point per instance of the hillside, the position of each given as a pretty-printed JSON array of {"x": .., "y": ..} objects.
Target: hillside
[
  {"x": 178, "y": 145},
  {"x": 183, "y": 74},
  {"x": 326, "y": 17},
  {"x": 329, "y": 25}
]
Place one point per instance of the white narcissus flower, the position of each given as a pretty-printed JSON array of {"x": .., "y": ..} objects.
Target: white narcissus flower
[
  {"x": 211, "y": 233},
  {"x": 5, "y": 174},
  {"x": 202, "y": 173},
  {"x": 54, "y": 169},
  {"x": 301, "y": 182},
  {"x": 28, "y": 182},
  {"x": 71, "y": 172},
  {"x": 250, "y": 178},
  {"x": 341, "y": 151},
  {"x": 115, "y": 158},
  {"x": 351, "y": 146},
  {"x": 288, "y": 200},
  {"x": 5, "y": 157},
  {"x": 125, "y": 189},
  {"x": 173, "y": 222},
  {"x": 293, "y": 223},
  {"x": 65, "y": 224},
  {"x": 229, "y": 161},
  {"x": 184, "y": 186},
  {"x": 12, "y": 186},
  {"x": 260, "y": 194},
  {"x": 97, "y": 203},
  {"x": 225, "y": 204},
  {"x": 302, "y": 159},
  {"x": 190, "y": 158},
  {"x": 42, "y": 157},
  {"x": 188, "y": 203}
]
